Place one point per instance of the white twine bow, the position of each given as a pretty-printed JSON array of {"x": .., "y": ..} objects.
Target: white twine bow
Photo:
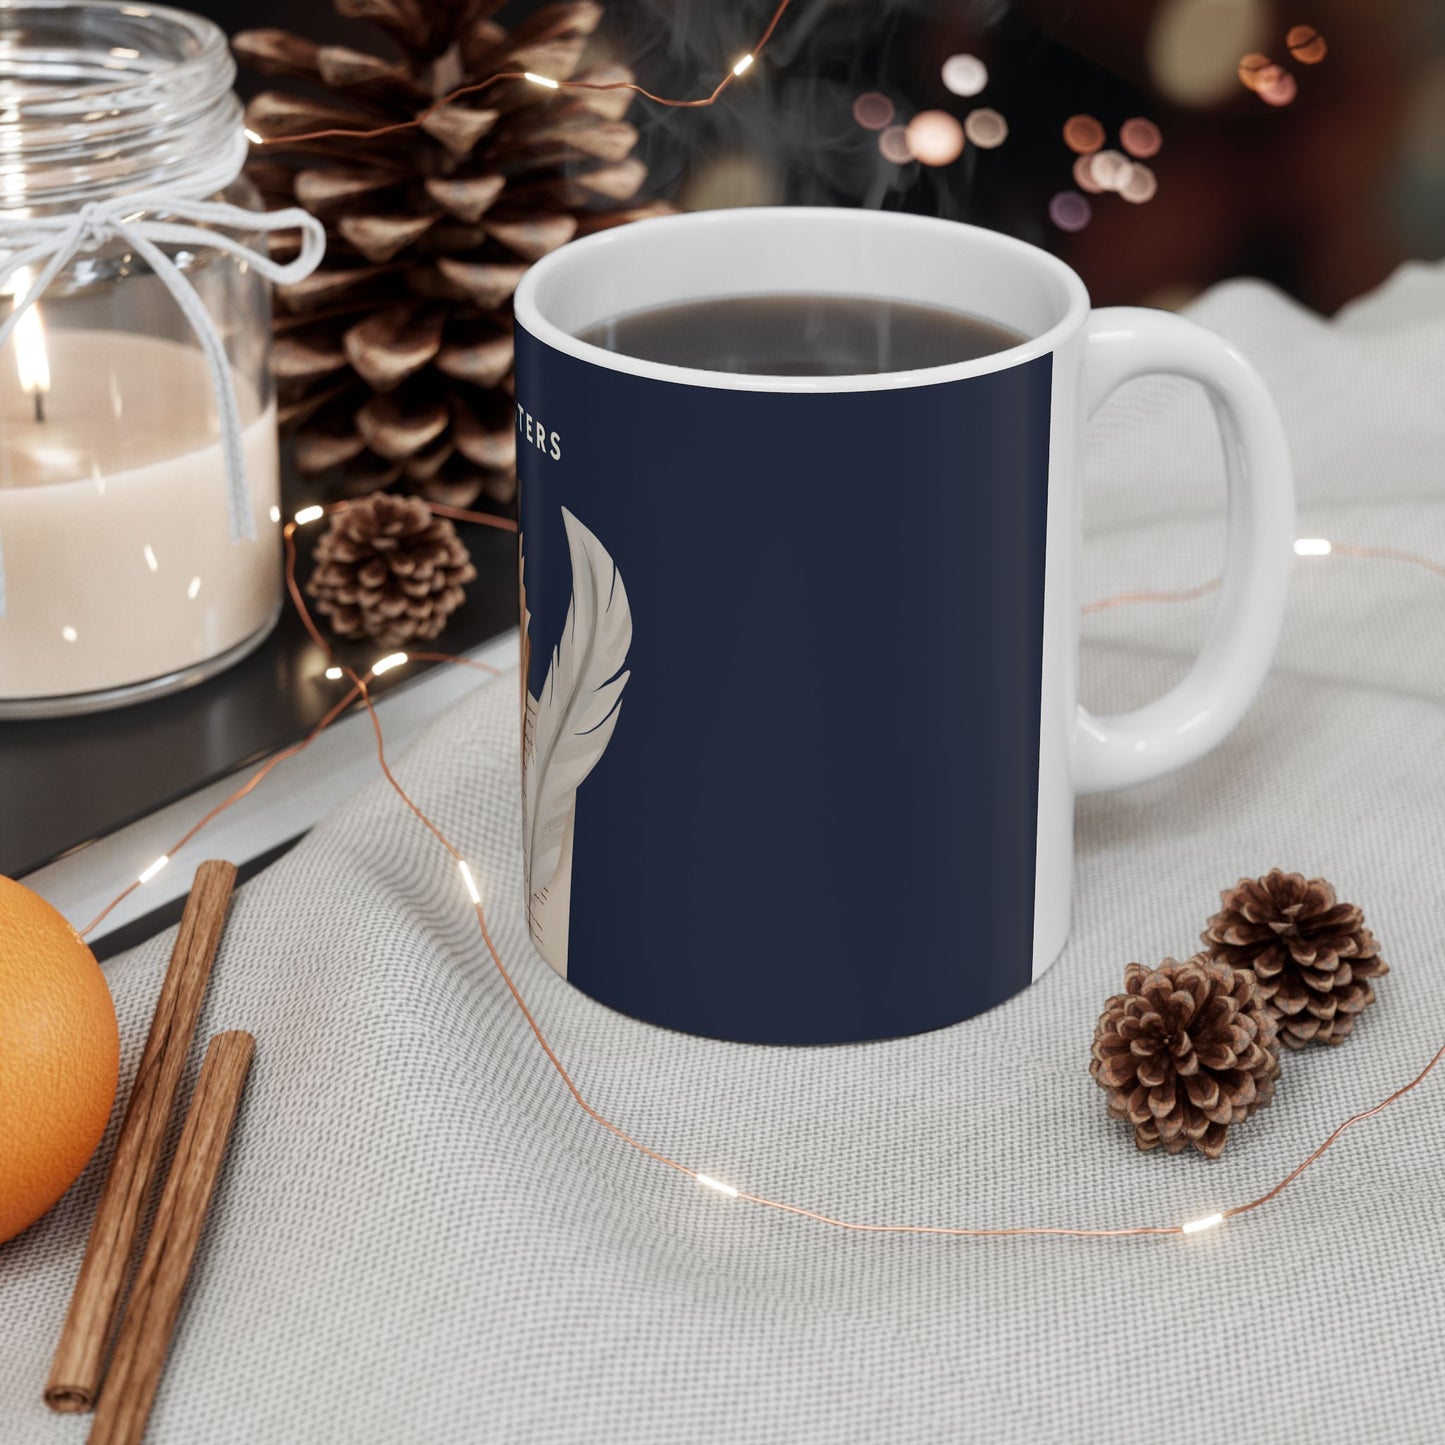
[{"x": 52, "y": 242}]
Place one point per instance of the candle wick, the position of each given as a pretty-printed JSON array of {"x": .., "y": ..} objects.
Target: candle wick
[{"x": 39, "y": 404}]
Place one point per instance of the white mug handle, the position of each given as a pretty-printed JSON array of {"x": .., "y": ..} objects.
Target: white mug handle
[{"x": 1124, "y": 342}]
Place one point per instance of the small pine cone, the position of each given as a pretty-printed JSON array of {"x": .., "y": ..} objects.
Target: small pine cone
[
  {"x": 387, "y": 569},
  {"x": 1184, "y": 1052},
  {"x": 1313, "y": 957}
]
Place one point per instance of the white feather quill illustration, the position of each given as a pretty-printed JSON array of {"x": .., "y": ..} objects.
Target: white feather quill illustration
[{"x": 567, "y": 730}]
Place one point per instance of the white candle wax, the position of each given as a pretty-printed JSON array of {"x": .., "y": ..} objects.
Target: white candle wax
[{"x": 119, "y": 562}]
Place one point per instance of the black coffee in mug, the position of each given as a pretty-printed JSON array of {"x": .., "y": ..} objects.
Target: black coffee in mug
[{"x": 801, "y": 335}]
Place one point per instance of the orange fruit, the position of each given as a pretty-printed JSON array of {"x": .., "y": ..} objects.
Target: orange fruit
[{"x": 59, "y": 1056}]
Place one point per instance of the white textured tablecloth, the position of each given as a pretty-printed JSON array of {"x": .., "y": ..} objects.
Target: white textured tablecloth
[{"x": 418, "y": 1236}]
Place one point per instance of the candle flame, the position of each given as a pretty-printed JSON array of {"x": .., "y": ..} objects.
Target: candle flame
[{"x": 32, "y": 361}]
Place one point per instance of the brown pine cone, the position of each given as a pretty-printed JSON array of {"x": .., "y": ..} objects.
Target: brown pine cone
[
  {"x": 1313, "y": 957},
  {"x": 1185, "y": 1051},
  {"x": 393, "y": 361},
  {"x": 388, "y": 570}
]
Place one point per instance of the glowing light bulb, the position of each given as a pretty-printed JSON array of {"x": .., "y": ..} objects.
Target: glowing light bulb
[
  {"x": 256, "y": 140},
  {"x": 333, "y": 674},
  {"x": 1197, "y": 1226},
  {"x": 309, "y": 514},
  {"x": 469, "y": 880},
  {"x": 149, "y": 873},
  {"x": 708, "y": 1182},
  {"x": 742, "y": 64},
  {"x": 385, "y": 664},
  {"x": 193, "y": 590},
  {"x": 541, "y": 80},
  {"x": 275, "y": 513},
  {"x": 1313, "y": 547}
]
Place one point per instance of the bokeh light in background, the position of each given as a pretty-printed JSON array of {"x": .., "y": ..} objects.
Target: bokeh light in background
[
  {"x": 1140, "y": 137},
  {"x": 985, "y": 128},
  {"x": 1194, "y": 46},
  {"x": 893, "y": 143},
  {"x": 934, "y": 137},
  {"x": 1280, "y": 88},
  {"x": 873, "y": 110},
  {"x": 1139, "y": 185},
  {"x": 1070, "y": 211},
  {"x": 964, "y": 74},
  {"x": 1084, "y": 175},
  {"x": 1306, "y": 44},
  {"x": 1110, "y": 170},
  {"x": 1084, "y": 134},
  {"x": 1253, "y": 66}
]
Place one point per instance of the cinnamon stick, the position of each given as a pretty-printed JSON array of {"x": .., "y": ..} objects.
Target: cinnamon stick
[
  {"x": 155, "y": 1298},
  {"x": 79, "y": 1362}
]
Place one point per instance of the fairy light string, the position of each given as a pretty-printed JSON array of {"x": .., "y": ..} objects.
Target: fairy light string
[
  {"x": 739, "y": 68},
  {"x": 359, "y": 691}
]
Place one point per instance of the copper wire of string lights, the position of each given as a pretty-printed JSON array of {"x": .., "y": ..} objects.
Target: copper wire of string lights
[
  {"x": 307, "y": 514},
  {"x": 1304, "y": 547},
  {"x": 360, "y": 690},
  {"x": 740, "y": 67}
]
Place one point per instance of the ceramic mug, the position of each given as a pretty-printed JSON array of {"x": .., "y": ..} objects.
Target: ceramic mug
[{"x": 801, "y": 733}]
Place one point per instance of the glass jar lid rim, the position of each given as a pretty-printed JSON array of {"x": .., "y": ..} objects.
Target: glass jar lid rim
[
  {"x": 210, "y": 51},
  {"x": 108, "y": 97}
]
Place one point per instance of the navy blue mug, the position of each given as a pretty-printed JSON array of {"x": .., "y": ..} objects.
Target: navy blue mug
[{"x": 801, "y": 738}]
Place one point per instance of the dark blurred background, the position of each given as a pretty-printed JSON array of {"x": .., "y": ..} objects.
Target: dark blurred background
[{"x": 1319, "y": 165}]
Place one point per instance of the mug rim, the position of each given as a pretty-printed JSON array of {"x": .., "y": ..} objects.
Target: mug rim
[{"x": 529, "y": 315}]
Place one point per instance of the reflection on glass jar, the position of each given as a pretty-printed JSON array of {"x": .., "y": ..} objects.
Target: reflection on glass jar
[{"x": 122, "y": 577}]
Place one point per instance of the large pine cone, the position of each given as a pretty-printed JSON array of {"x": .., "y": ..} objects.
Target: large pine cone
[
  {"x": 1184, "y": 1052},
  {"x": 1313, "y": 957},
  {"x": 388, "y": 570},
  {"x": 394, "y": 360}
]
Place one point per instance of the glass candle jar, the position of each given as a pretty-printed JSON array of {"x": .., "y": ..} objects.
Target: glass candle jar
[{"x": 128, "y": 568}]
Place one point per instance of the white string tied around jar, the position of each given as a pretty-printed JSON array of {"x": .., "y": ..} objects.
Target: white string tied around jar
[{"x": 52, "y": 242}]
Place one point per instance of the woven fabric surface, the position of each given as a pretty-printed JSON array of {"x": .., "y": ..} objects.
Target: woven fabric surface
[{"x": 419, "y": 1236}]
